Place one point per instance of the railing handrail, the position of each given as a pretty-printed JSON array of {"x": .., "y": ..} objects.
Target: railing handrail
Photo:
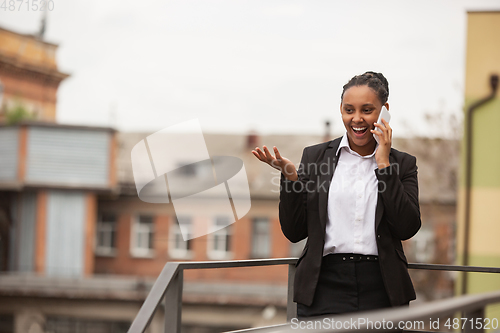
[
  {"x": 454, "y": 268},
  {"x": 235, "y": 263},
  {"x": 172, "y": 269},
  {"x": 421, "y": 312}
]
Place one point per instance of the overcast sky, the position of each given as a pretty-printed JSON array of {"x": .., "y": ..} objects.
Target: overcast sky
[{"x": 267, "y": 65}]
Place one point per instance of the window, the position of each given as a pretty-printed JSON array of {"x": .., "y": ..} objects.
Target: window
[
  {"x": 261, "y": 238},
  {"x": 178, "y": 247},
  {"x": 219, "y": 239},
  {"x": 142, "y": 236},
  {"x": 106, "y": 235},
  {"x": 423, "y": 245}
]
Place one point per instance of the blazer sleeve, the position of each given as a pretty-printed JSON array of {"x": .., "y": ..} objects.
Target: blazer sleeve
[
  {"x": 400, "y": 197},
  {"x": 292, "y": 206}
]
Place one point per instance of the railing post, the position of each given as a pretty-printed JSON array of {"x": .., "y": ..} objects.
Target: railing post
[
  {"x": 291, "y": 306},
  {"x": 173, "y": 304},
  {"x": 472, "y": 326}
]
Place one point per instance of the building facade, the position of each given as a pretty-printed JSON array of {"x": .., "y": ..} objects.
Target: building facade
[
  {"x": 478, "y": 246},
  {"x": 29, "y": 77},
  {"x": 80, "y": 250}
]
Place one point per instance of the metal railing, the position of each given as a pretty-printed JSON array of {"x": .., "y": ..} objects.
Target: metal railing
[
  {"x": 169, "y": 285},
  {"x": 405, "y": 318}
]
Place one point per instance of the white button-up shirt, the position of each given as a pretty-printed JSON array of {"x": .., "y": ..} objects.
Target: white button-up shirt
[{"x": 352, "y": 200}]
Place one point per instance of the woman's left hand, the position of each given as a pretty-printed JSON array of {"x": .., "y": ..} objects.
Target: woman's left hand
[{"x": 384, "y": 144}]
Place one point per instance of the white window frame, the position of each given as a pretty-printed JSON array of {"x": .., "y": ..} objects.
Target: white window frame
[
  {"x": 220, "y": 234},
  {"x": 135, "y": 250},
  {"x": 175, "y": 233},
  {"x": 253, "y": 252},
  {"x": 424, "y": 245},
  {"x": 109, "y": 228}
]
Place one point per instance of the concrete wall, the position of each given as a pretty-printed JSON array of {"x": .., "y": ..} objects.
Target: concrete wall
[{"x": 482, "y": 60}]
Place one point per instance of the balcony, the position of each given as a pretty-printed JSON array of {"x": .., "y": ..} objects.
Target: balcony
[{"x": 168, "y": 289}]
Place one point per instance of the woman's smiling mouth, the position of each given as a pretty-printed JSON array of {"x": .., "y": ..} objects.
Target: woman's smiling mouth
[{"x": 359, "y": 130}]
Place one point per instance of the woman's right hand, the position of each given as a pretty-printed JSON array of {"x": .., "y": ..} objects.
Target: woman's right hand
[{"x": 280, "y": 163}]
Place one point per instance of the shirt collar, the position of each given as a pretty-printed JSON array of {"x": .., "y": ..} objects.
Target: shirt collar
[{"x": 344, "y": 143}]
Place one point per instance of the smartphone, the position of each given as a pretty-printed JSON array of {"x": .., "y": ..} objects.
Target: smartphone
[{"x": 384, "y": 114}]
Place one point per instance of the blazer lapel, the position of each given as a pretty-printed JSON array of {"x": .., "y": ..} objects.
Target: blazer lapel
[
  {"x": 329, "y": 163},
  {"x": 379, "y": 212}
]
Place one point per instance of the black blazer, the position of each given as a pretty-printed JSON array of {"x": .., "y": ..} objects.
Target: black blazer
[{"x": 303, "y": 213}]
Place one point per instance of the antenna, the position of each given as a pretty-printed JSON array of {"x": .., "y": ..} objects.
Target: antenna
[
  {"x": 327, "y": 136},
  {"x": 43, "y": 24}
]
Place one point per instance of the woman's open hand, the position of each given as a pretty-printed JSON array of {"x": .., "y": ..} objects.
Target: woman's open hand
[{"x": 280, "y": 163}]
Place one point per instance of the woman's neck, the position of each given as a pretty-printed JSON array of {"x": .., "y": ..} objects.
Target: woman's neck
[{"x": 365, "y": 150}]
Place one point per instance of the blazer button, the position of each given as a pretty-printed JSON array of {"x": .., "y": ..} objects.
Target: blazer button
[{"x": 378, "y": 236}]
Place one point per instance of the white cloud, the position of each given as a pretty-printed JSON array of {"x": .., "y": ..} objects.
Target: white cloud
[
  {"x": 285, "y": 10},
  {"x": 241, "y": 64}
]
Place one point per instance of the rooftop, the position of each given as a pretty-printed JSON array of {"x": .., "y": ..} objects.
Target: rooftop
[{"x": 437, "y": 160}]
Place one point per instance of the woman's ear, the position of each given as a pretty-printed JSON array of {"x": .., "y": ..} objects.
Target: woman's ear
[{"x": 387, "y": 106}]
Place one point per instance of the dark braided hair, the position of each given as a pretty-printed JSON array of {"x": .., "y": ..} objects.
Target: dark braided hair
[{"x": 375, "y": 81}]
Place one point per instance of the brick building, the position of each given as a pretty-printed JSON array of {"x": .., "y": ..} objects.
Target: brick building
[
  {"x": 79, "y": 249},
  {"x": 132, "y": 240},
  {"x": 29, "y": 76},
  {"x": 258, "y": 234}
]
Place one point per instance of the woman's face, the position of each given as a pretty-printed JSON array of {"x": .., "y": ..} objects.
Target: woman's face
[{"x": 360, "y": 108}]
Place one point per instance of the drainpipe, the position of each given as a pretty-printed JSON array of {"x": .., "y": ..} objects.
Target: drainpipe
[{"x": 468, "y": 173}]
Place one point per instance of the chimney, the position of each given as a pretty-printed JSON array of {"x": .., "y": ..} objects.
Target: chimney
[
  {"x": 327, "y": 136},
  {"x": 252, "y": 140}
]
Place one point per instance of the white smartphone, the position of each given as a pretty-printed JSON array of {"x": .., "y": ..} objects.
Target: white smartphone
[{"x": 384, "y": 114}]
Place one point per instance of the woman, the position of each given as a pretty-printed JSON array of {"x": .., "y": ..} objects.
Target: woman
[{"x": 355, "y": 200}]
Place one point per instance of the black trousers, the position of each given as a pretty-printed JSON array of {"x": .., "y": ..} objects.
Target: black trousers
[{"x": 346, "y": 286}]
